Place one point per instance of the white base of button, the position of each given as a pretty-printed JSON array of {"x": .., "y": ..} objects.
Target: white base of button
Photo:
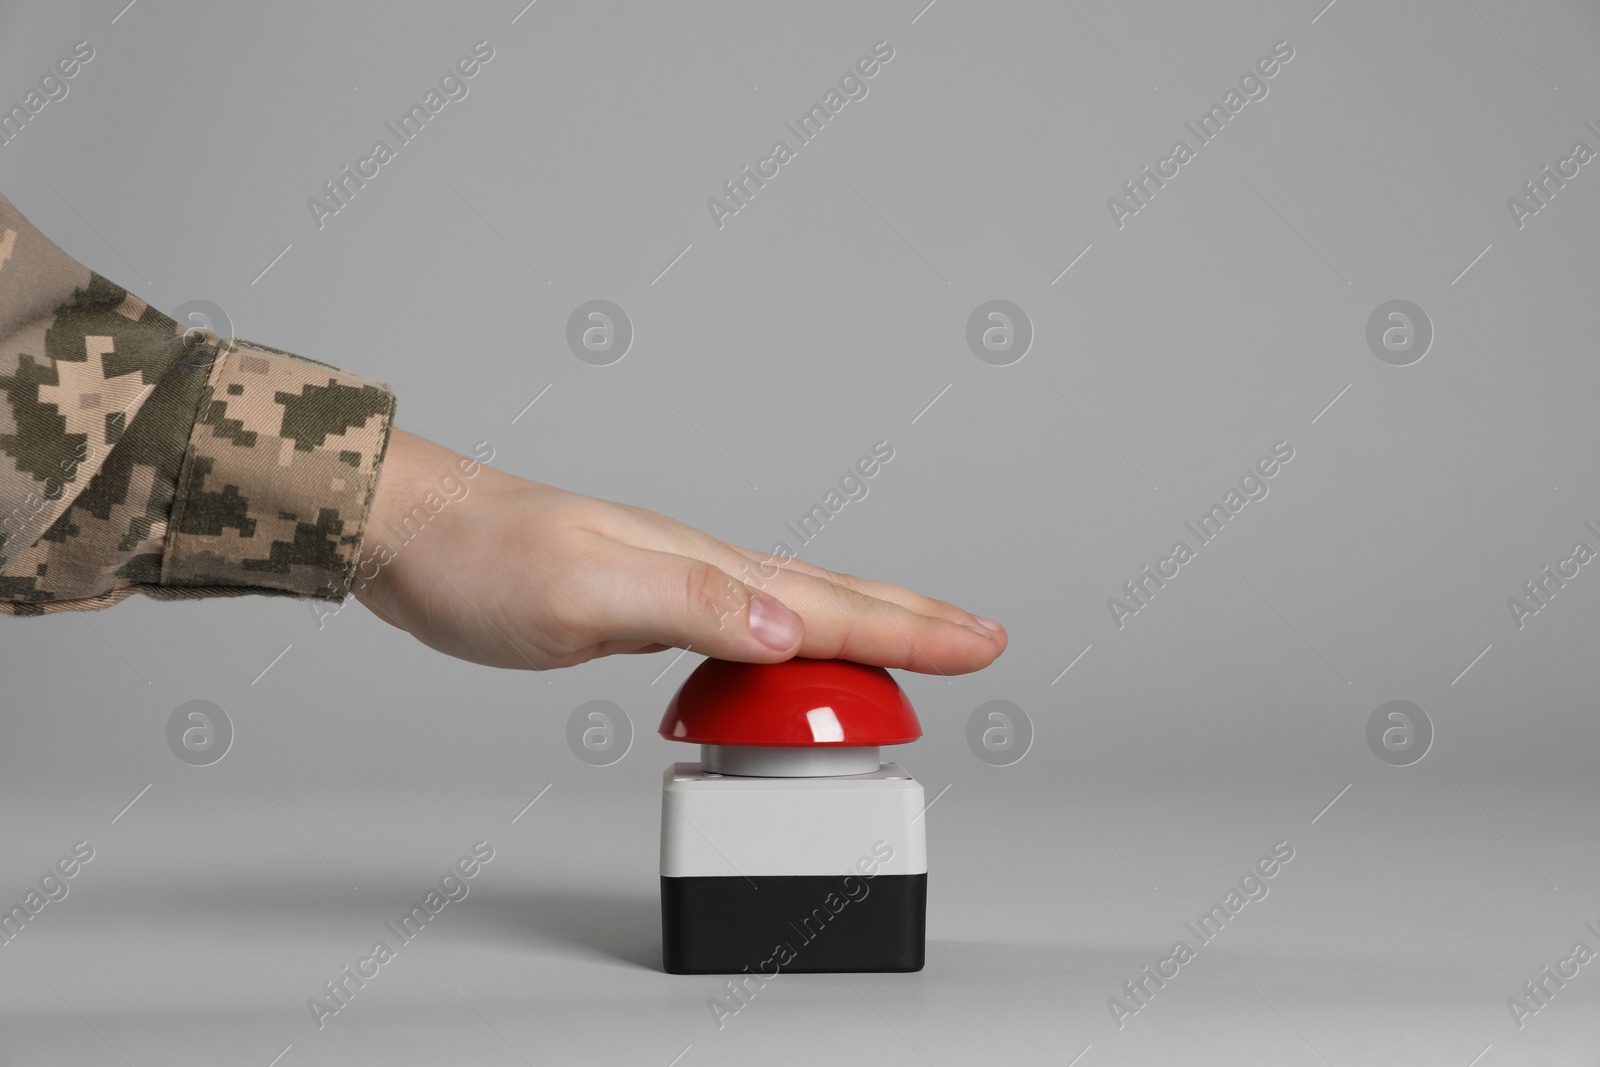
[{"x": 730, "y": 826}]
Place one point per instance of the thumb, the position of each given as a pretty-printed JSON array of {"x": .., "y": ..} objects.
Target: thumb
[{"x": 690, "y": 603}]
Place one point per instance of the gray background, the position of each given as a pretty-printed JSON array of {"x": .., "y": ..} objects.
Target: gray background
[{"x": 825, "y": 316}]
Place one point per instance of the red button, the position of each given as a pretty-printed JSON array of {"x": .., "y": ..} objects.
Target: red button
[{"x": 796, "y": 703}]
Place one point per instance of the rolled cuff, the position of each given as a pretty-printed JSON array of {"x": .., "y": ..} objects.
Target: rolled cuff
[{"x": 278, "y": 477}]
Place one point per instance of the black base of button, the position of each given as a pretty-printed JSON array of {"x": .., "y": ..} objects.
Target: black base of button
[{"x": 794, "y": 924}]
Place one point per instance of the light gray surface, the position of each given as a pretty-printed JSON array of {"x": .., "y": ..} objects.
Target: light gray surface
[{"x": 827, "y": 315}]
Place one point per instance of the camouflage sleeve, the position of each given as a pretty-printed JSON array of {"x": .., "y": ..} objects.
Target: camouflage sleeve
[{"x": 137, "y": 456}]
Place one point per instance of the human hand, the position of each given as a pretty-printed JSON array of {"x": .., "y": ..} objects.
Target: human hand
[{"x": 518, "y": 574}]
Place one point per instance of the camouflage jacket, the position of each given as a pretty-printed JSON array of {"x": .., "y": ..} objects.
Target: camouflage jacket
[{"x": 140, "y": 456}]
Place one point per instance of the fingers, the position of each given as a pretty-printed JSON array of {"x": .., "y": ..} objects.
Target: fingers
[
  {"x": 895, "y": 594},
  {"x": 845, "y": 623},
  {"x": 708, "y": 588},
  {"x": 672, "y": 600},
  {"x": 649, "y": 528}
]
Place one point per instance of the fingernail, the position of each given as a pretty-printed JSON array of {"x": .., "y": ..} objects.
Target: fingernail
[
  {"x": 980, "y": 631},
  {"x": 992, "y": 626},
  {"x": 773, "y": 624}
]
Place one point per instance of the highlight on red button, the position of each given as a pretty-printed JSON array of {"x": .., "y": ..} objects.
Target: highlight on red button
[{"x": 798, "y": 703}]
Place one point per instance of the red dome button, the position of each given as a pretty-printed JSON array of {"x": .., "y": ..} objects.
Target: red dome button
[{"x": 796, "y": 703}]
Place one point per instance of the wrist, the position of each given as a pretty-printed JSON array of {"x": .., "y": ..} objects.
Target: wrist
[{"x": 418, "y": 483}]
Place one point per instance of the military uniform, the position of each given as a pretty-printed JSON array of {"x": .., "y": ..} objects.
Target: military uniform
[{"x": 140, "y": 456}]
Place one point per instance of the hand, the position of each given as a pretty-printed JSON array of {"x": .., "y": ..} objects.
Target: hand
[{"x": 512, "y": 573}]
